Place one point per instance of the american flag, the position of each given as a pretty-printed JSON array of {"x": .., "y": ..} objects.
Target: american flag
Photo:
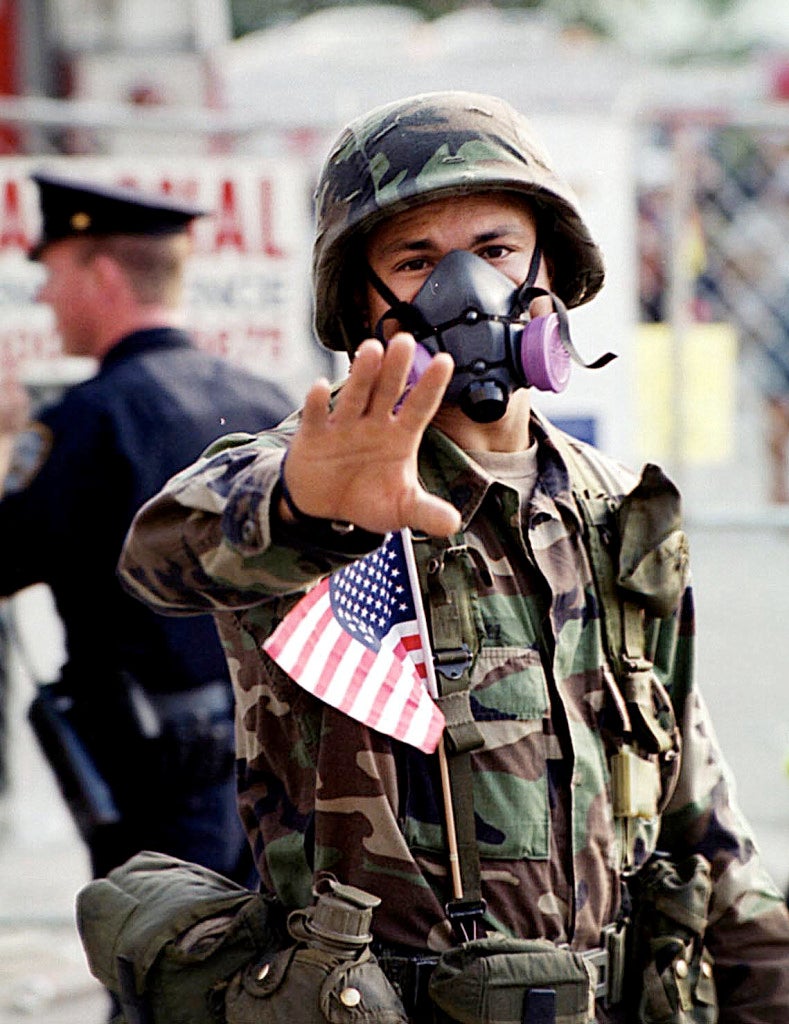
[{"x": 354, "y": 642}]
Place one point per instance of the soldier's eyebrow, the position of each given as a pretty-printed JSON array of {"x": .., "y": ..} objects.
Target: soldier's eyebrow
[
  {"x": 401, "y": 245},
  {"x": 502, "y": 231}
]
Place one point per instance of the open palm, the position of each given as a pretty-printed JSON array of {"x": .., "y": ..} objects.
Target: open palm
[{"x": 357, "y": 461}]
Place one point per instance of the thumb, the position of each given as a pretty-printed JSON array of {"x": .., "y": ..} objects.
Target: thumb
[{"x": 434, "y": 516}]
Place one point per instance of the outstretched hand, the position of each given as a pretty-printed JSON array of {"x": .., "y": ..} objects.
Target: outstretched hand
[{"x": 357, "y": 461}]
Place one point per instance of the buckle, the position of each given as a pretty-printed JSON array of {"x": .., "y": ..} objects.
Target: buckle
[
  {"x": 614, "y": 939},
  {"x": 599, "y": 957},
  {"x": 452, "y": 662},
  {"x": 409, "y": 974},
  {"x": 466, "y": 917}
]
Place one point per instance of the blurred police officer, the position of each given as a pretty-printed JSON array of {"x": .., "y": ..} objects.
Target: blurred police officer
[{"x": 148, "y": 697}]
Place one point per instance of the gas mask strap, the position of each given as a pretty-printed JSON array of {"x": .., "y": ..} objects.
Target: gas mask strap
[
  {"x": 383, "y": 290},
  {"x": 407, "y": 315},
  {"x": 525, "y": 297}
]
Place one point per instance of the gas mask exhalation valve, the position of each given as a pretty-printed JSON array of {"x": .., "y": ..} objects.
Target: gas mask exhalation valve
[{"x": 472, "y": 311}]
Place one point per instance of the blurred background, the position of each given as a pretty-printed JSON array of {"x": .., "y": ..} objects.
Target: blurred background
[{"x": 671, "y": 120}]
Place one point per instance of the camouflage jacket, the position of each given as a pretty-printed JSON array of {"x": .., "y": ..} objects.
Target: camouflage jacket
[{"x": 319, "y": 791}]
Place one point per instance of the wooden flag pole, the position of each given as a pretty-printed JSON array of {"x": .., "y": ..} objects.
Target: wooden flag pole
[{"x": 432, "y": 689}]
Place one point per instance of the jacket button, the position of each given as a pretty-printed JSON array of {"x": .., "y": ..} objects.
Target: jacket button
[
  {"x": 350, "y": 997},
  {"x": 681, "y": 969}
]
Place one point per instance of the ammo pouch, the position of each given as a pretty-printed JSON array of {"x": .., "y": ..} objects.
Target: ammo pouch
[
  {"x": 163, "y": 934},
  {"x": 672, "y": 971},
  {"x": 330, "y": 973},
  {"x": 499, "y": 980}
]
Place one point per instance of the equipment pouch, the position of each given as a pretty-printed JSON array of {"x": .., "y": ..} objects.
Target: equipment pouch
[
  {"x": 163, "y": 934},
  {"x": 312, "y": 987},
  {"x": 328, "y": 975},
  {"x": 498, "y": 979},
  {"x": 672, "y": 971}
]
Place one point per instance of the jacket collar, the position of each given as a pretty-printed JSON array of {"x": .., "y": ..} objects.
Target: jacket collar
[
  {"x": 448, "y": 471},
  {"x": 146, "y": 341}
]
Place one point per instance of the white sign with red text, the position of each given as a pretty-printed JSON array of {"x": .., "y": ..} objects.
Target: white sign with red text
[{"x": 247, "y": 281}]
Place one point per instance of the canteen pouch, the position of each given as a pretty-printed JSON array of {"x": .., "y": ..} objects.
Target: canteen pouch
[
  {"x": 312, "y": 987},
  {"x": 491, "y": 981},
  {"x": 330, "y": 974},
  {"x": 672, "y": 972},
  {"x": 162, "y": 934}
]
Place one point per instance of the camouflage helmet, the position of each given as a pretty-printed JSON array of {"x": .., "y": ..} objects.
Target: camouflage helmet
[{"x": 427, "y": 147}]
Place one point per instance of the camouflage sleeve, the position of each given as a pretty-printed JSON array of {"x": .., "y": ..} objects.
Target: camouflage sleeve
[
  {"x": 211, "y": 539},
  {"x": 748, "y": 931}
]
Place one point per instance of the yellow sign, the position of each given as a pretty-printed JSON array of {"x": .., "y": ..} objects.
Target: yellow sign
[{"x": 686, "y": 392}]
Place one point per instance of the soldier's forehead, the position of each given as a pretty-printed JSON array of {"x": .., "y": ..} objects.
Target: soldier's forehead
[{"x": 489, "y": 212}]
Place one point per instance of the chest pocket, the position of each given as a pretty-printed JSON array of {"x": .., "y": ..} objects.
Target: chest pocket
[
  {"x": 495, "y": 702},
  {"x": 509, "y": 702}
]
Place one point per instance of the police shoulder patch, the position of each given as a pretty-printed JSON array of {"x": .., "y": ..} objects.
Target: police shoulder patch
[{"x": 29, "y": 453}]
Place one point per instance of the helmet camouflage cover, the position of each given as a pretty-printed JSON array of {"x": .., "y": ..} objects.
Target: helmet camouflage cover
[{"x": 427, "y": 147}]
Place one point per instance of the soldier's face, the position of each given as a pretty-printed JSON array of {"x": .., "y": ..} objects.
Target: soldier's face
[
  {"x": 404, "y": 249},
  {"x": 69, "y": 289}
]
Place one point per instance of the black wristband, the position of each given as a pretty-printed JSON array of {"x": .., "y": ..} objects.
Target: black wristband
[{"x": 303, "y": 517}]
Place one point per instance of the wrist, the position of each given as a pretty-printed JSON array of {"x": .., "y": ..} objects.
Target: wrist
[{"x": 304, "y": 519}]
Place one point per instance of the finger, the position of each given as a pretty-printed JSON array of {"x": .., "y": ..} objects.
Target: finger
[
  {"x": 315, "y": 410},
  {"x": 354, "y": 396},
  {"x": 424, "y": 399},
  {"x": 393, "y": 379},
  {"x": 435, "y": 516}
]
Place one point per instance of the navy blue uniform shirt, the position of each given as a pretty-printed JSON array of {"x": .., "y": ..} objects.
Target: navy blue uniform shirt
[{"x": 105, "y": 448}]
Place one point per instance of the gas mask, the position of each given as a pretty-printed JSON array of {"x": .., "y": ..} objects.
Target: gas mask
[{"x": 472, "y": 311}]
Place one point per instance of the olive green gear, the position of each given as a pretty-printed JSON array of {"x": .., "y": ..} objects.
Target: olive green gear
[{"x": 426, "y": 147}]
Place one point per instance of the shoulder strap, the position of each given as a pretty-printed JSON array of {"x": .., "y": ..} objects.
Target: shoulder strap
[{"x": 638, "y": 557}]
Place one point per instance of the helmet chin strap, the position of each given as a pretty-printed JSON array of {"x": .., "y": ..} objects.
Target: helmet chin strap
[{"x": 534, "y": 267}]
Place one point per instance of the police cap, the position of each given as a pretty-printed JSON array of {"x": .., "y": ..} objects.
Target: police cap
[{"x": 72, "y": 208}]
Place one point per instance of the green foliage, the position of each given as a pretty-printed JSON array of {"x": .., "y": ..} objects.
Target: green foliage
[
  {"x": 595, "y": 15},
  {"x": 249, "y": 15}
]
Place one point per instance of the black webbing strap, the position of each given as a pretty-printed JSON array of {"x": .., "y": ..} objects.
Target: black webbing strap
[{"x": 446, "y": 572}]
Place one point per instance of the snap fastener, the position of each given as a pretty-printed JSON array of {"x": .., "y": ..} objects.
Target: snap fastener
[
  {"x": 263, "y": 972},
  {"x": 681, "y": 969},
  {"x": 350, "y": 997},
  {"x": 249, "y": 531}
]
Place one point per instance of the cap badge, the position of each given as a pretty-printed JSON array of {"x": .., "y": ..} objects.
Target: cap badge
[{"x": 80, "y": 221}]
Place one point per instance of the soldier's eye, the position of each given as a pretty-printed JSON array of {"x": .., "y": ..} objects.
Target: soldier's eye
[
  {"x": 494, "y": 252},
  {"x": 413, "y": 265}
]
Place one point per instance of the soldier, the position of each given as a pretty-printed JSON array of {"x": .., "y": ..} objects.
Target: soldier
[
  {"x": 581, "y": 765},
  {"x": 140, "y": 725}
]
